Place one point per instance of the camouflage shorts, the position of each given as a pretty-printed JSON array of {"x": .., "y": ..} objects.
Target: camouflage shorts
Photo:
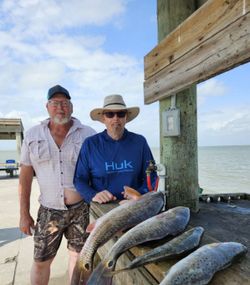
[{"x": 53, "y": 224}]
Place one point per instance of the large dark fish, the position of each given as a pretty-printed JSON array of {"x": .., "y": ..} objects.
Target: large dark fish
[
  {"x": 199, "y": 267},
  {"x": 120, "y": 218},
  {"x": 171, "y": 222},
  {"x": 176, "y": 247}
]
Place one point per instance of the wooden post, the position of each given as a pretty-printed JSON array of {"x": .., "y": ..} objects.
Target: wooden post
[
  {"x": 18, "y": 143},
  {"x": 179, "y": 154}
]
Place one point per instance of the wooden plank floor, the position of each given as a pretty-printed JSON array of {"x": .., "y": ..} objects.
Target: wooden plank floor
[{"x": 221, "y": 221}]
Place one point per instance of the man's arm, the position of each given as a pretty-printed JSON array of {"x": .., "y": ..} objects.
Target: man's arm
[{"x": 24, "y": 189}]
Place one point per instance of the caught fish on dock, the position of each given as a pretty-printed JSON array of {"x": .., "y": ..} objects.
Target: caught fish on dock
[
  {"x": 178, "y": 246},
  {"x": 199, "y": 267},
  {"x": 120, "y": 218},
  {"x": 169, "y": 223}
]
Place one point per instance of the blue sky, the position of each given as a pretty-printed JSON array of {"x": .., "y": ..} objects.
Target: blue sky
[{"x": 95, "y": 48}]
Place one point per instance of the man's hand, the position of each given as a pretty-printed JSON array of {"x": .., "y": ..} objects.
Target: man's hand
[
  {"x": 104, "y": 197},
  {"x": 130, "y": 193},
  {"x": 27, "y": 224}
]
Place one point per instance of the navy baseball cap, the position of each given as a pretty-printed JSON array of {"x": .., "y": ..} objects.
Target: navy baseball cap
[{"x": 58, "y": 89}]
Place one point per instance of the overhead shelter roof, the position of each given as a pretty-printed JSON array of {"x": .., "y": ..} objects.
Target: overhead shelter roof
[{"x": 9, "y": 128}]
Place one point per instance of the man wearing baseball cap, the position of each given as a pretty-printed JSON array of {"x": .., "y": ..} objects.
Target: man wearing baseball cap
[{"x": 50, "y": 150}]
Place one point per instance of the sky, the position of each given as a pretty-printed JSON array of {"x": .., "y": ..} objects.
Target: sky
[{"x": 95, "y": 48}]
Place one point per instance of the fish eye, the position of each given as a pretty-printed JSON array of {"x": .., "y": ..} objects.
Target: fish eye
[
  {"x": 86, "y": 266},
  {"x": 110, "y": 263}
]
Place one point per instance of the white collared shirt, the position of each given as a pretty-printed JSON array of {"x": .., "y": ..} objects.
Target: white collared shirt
[{"x": 54, "y": 166}]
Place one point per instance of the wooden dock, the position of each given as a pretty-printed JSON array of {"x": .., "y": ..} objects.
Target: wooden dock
[{"x": 222, "y": 221}]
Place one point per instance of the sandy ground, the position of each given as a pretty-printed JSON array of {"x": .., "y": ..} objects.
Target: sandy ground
[{"x": 16, "y": 249}]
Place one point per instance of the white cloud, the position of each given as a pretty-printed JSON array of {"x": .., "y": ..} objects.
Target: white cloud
[
  {"x": 227, "y": 126},
  {"x": 210, "y": 88},
  {"x": 34, "y": 18},
  {"x": 49, "y": 42},
  {"x": 34, "y": 60}
]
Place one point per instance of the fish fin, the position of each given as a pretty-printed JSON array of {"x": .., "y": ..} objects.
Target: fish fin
[
  {"x": 111, "y": 273},
  {"x": 90, "y": 227}
]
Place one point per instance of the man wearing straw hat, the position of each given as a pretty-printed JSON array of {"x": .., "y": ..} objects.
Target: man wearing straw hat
[{"x": 114, "y": 158}]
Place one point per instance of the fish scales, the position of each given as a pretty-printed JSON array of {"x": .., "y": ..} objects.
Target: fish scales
[
  {"x": 179, "y": 245},
  {"x": 120, "y": 218},
  {"x": 199, "y": 267},
  {"x": 167, "y": 223}
]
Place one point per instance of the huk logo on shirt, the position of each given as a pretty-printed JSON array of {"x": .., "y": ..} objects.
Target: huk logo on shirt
[{"x": 119, "y": 167}]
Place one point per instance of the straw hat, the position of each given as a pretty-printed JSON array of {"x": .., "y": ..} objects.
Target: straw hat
[{"x": 111, "y": 103}]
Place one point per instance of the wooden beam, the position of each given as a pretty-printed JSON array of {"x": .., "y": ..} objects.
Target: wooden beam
[
  {"x": 7, "y": 136},
  {"x": 214, "y": 39},
  {"x": 211, "y": 18},
  {"x": 10, "y": 129}
]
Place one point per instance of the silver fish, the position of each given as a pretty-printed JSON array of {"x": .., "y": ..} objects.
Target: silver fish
[
  {"x": 176, "y": 247},
  {"x": 171, "y": 222},
  {"x": 120, "y": 218},
  {"x": 199, "y": 267}
]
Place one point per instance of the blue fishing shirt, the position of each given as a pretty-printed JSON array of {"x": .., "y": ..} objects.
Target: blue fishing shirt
[{"x": 107, "y": 164}]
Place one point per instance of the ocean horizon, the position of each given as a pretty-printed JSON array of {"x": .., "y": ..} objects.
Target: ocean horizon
[{"x": 222, "y": 169}]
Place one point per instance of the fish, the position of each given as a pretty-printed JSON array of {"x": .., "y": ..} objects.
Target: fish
[
  {"x": 199, "y": 267},
  {"x": 169, "y": 223},
  {"x": 120, "y": 218},
  {"x": 176, "y": 247}
]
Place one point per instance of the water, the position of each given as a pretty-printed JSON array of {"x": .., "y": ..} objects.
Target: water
[
  {"x": 8, "y": 154},
  {"x": 222, "y": 169}
]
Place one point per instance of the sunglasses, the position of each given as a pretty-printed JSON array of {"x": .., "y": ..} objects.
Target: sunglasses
[{"x": 119, "y": 114}]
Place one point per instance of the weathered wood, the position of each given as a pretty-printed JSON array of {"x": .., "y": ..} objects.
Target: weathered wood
[
  {"x": 19, "y": 139},
  {"x": 195, "y": 30},
  {"x": 178, "y": 11},
  {"x": 9, "y": 129},
  {"x": 179, "y": 154},
  {"x": 201, "y": 47},
  {"x": 8, "y": 136}
]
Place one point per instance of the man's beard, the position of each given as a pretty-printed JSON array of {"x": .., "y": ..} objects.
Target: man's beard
[{"x": 61, "y": 121}]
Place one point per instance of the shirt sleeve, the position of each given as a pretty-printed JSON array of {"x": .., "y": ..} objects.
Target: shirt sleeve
[
  {"x": 82, "y": 174},
  {"x": 25, "y": 153},
  {"x": 147, "y": 156}
]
